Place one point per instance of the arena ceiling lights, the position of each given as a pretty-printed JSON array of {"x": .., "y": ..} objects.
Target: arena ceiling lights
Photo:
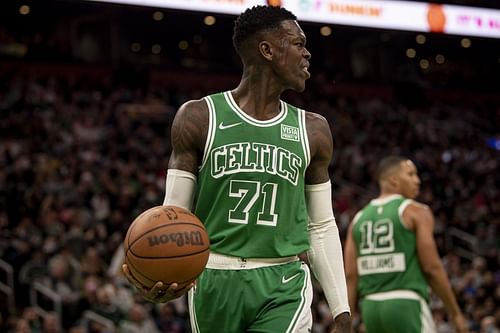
[{"x": 385, "y": 14}]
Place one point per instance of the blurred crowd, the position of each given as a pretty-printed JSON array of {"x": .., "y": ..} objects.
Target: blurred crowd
[{"x": 79, "y": 159}]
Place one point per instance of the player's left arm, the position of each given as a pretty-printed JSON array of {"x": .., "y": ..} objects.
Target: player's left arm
[
  {"x": 421, "y": 219},
  {"x": 351, "y": 269},
  {"x": 325, "y": 254}
]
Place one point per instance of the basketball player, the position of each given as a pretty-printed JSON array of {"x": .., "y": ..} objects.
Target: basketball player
[
  {"x": 391, "y": 257},
  {"x": 258, "y": 168}
]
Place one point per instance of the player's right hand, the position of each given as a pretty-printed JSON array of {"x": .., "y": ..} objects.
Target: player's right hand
[
  {"x": 460, "y": 323},
  {"x": 160, "y": 293}
]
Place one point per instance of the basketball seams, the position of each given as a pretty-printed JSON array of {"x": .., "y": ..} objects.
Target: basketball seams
[
  {"x": 129, "y": 233},
  {"x": 171, "y": 257},
  {"x": 132, "y": 226},
  {"x": 139, "y": 237},
  {"x": 151, "y": 234},
  {"x": 137, "y": 271}
]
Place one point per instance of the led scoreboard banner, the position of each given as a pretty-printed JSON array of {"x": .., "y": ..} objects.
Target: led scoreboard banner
[
  {"x": 385, "y": 14},
  {"x": 402, "y": 15}
]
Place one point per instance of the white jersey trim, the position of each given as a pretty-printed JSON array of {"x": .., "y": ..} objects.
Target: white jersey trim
[
  {"x": 384, "y": 200},
  {"x": 302, "y": 319},
  {"x": 245, "y": 117},
  {"x": 304, "y": 137},
  {"x": 357, "y": 217},
  {"x": 401, "y": 210},
  {"x": 192, "y": 311},
  {"x": 394, "y": 294},
  {"x": 220, "y": 261}
]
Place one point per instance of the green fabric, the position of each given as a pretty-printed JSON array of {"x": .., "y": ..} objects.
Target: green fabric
[
  {"x": 251, "y": 182},
  {"x": 254, "y": 300},
  {"x": 392, "y": 316},
  {"x": 386, "y": 250}
]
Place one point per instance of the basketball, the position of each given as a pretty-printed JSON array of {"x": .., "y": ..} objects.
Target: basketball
[{"x": 168, "y": 244}]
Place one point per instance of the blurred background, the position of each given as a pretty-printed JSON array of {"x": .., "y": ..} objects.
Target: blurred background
[{"x": 88, "y": 91}]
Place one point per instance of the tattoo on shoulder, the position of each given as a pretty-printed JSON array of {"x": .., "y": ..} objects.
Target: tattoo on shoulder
[{"x": 188, "y": 136}]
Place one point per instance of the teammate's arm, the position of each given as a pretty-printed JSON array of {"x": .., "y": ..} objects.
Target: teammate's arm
[
  {"x": 421, "y": 220},
  {"x": 325, "y": 254},
  {"x": 351, "y": 270},
  {"x": 188, "y": 134}
]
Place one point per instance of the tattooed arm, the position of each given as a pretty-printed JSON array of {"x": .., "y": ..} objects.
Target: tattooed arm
[
  {"x": 188, "y": 136},
  {"x": 189, "y": 133}
]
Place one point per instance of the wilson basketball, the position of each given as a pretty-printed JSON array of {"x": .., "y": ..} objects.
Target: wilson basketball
[{"x": 168, "y": 244}]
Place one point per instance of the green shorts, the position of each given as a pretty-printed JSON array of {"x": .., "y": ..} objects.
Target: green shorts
[
  {"x": 396, "y": 312},
  {"x": 272, "y": 299}
]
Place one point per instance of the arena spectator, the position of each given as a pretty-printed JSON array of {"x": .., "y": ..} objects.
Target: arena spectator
[{"x": 63, "y": 193}]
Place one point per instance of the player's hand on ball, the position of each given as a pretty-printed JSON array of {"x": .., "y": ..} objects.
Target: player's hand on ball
[{"x": 159, "y": 293}]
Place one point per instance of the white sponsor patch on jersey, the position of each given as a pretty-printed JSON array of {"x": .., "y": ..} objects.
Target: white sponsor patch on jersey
[{"x": 290, "y": 133}]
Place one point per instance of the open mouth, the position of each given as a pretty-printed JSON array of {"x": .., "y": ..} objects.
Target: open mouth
[{"x": 305, "y": 69}]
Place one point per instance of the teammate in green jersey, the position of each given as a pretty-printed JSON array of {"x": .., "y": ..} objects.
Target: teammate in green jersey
[
  {"x": 391, "y": 257},
  {"x": 258, "y": 168}
]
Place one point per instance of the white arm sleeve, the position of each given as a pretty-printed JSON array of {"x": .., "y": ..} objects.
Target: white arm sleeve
[
  {"x": 325, "y": 255},
  {"x": 180, "y": 188}
]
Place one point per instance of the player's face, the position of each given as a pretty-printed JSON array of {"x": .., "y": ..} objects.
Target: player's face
[
  {"x": 409, "y": 182},
  {"x": 291, "y": 61}
]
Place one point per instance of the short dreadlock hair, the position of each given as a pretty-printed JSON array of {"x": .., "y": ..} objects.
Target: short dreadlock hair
[{"x": 258, "y": 19}]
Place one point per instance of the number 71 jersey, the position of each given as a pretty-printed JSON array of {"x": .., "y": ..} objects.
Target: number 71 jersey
[
  {"x": 386, "y": 250},
  {"x": 251, "y": 181}
]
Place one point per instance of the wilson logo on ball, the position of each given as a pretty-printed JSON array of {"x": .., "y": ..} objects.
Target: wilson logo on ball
[{"x": 180, "y": 238}]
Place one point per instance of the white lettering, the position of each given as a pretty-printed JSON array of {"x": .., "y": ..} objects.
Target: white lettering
[
  {"x": 256, "y": 157},
  {"x": 383, "y": 263}
]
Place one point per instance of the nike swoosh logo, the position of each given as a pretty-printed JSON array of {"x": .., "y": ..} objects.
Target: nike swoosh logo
[
  {"x": 286, "y": 280},
  {"x": 223, "y": 127}
]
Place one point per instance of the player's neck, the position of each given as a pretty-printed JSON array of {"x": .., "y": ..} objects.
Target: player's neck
[
  {"x": 387, "y": 193},
  {"x": 258, "y": 97}
]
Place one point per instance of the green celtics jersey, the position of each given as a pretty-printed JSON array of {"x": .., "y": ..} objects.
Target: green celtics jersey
[
  {"x": 386, "y": 249},
  {"x": 251, "y": 181}
]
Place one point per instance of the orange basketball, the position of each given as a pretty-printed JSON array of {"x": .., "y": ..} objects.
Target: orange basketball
[{"x": 168, "y": 244}]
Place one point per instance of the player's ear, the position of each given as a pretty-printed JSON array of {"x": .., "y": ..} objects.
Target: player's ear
[
  {"x": 266, "y": 50},
  {"x": 393, "y": 180}
]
